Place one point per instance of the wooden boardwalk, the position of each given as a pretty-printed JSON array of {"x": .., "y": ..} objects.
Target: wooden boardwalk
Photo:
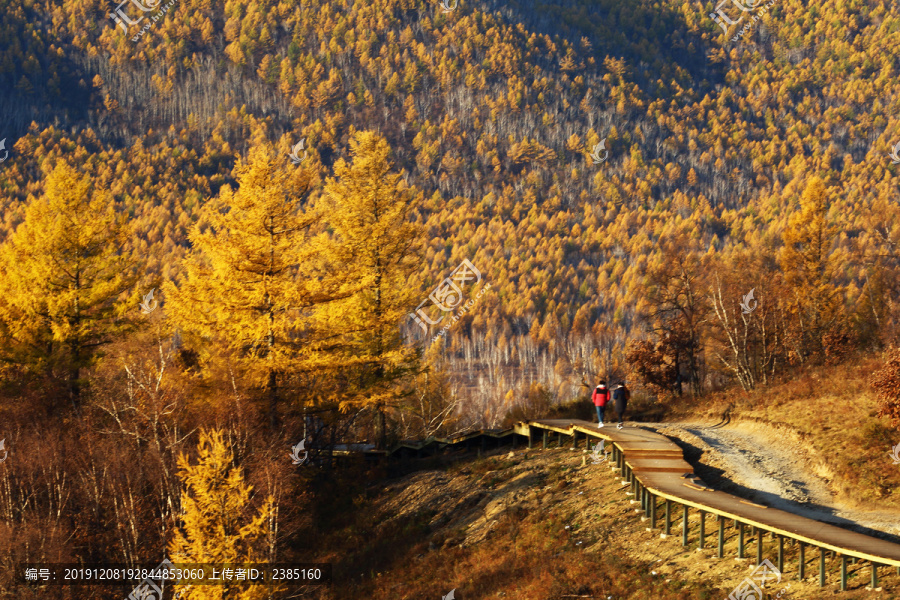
[{"x": 655, "y": 468}]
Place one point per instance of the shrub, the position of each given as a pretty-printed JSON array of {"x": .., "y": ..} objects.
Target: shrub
[{"x": 886, "y": 382}]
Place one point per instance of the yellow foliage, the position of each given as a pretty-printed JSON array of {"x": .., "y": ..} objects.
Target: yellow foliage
[
  {"x": 217, "y": 527},
  {"x": 368, "y": 207}
]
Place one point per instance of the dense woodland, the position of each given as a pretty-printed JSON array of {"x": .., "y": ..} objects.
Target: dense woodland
[{"x": 283, "y": 291}]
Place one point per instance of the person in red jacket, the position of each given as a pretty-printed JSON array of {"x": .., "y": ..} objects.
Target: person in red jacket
[{"x": 600, "y": 398}]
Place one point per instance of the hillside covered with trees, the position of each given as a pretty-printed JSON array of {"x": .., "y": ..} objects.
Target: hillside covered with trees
[{"x": 492, "y": 207}]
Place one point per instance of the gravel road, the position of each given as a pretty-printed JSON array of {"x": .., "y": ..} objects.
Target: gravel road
[{"x": 765, "y": 465}]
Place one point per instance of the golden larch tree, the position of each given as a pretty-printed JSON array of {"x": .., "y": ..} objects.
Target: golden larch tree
[
  {"x": 809, "y": 272},
  {"x": 66, "y": 278},
  {"x": 217, "y": 525},
  {"x": 369, "y": 209},
  {"x": 250, "y": 279}
]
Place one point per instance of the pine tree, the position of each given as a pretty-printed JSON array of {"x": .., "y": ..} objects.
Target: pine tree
[
  {"x": 217, "y": 526},
  {"x": 250, "y": 278},
  {"x": 369, "y": 210},
  {"x": 65, "y": 275}
]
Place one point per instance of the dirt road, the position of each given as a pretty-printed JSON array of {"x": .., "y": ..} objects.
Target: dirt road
[{"x": 765, "y": 465}]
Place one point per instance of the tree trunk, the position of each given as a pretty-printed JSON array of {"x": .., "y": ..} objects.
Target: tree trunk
[
  {"x": 272, "y": 387},
  {"x": 75, "y": 345},
  {"x": 382, "y": 429},
  {"x": 75, "y": 388}
]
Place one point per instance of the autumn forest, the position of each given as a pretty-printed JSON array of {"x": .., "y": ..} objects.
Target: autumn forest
[{"x": 226, "y": 227}]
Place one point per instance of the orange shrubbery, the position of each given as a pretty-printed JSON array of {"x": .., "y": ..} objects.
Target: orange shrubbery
[{"x": 886, "y": 382}]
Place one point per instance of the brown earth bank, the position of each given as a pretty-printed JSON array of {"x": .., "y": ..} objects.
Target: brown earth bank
[{"x": 538, "y": 524}]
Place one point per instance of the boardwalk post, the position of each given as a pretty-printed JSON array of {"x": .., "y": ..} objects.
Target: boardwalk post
[
  {"x": 874, "y": 575},
  {"x": 546, "y": 435},
  {"x": 684, "y": 527},
  {"x": 759, "y": 541},
  {"x": 843, "y": 573},
  {"x": 702, "y": 527},
  {"x": 721, "y": 520},
  {"x": 780, "y": 553},
  {"x": 802, "y": 560},
  {"x": 668, "y": 516},
  {"x": 740, "y": 540},
  {"x": 652, "y": 511},
  {"x": 574, "y": 438},
  {"x": 530, "y": 437},
  {"x": 822, "y": 567},
  {"x": 559, "y": 438}
]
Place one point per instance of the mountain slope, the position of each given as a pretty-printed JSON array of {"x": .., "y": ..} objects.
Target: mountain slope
[{"x": 493, "y": 112}]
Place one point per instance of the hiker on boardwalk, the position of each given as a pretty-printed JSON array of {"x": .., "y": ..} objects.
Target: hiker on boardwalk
[
  {"x": 600, "y": 398},
  {"x": 621, "y": 395}
]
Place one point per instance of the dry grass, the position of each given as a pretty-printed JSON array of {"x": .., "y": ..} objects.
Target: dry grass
[
  {"x": 831, "y": 413},
  {"x": 427, "y": 533},
  {"x": 551, "y": 529}
]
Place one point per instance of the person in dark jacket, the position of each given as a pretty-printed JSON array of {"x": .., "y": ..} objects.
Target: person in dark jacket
[
  {"x": 600, "y": 398},
  {"x": 621, "y": 395}
]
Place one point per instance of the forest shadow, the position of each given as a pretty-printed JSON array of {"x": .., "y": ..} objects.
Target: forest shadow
[{"x": 655, "y": 44}]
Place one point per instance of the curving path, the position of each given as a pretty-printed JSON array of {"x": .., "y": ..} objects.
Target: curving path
[
  {"x": 656, "y": 469},
  {"x": 760, "y": 464}
]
